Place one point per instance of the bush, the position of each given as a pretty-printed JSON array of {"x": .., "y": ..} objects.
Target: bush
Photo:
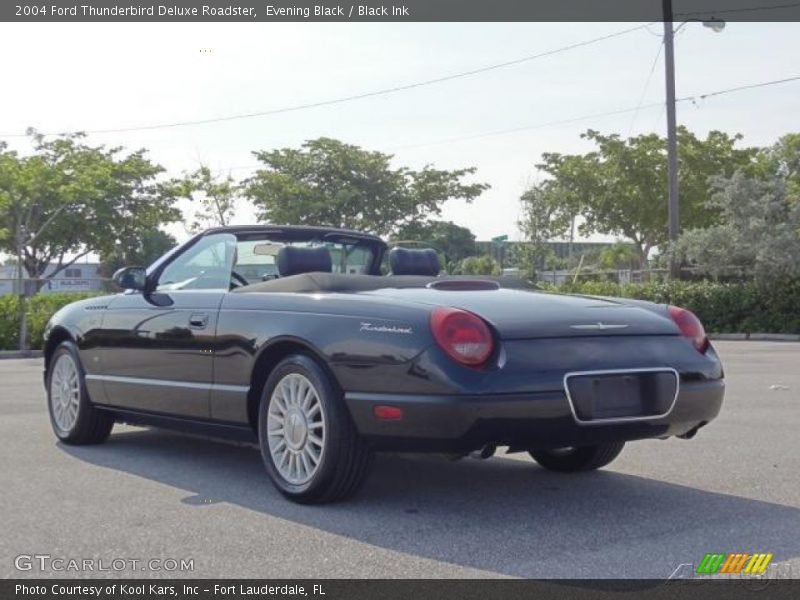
[
  {"x": 480, "y": 265},
  {"x": 39, "y": 309},
  {"x": 722, "y": 307}
]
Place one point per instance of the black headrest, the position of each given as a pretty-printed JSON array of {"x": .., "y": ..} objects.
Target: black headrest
[
  {"x": 414, "y": 262},
  {"x": 293, "y": 260}
]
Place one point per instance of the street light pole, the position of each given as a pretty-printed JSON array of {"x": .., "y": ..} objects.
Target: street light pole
[{"x": 672, "y": 141}]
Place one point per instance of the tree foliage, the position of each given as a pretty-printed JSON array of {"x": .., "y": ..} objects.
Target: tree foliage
[
  {"x": 548, "y": 212},
  {"x": 328, "y": 182},
  {"x": 140, "y": 251},
  {"x": 454, "y": 241},
  {"x": 620, "y": 188},
  {"x": 618, "y": 256},
  {"x": 783, "y": 160},
  {"x": 67, "y": 199},
  {"x": 758, "y": 230},
  {"x": 217, "y": 198},
  {"x": 480, "y": 265}
]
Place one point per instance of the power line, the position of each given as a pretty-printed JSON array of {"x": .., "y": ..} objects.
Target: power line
[
  {"x": 606, "y": 114},
  {"x": 740, "y": 88},
  {"x": 361, "y": 96},
  {"x": 646, "y": 85},
  {"x": 736, "y": 10},
  {"x": 497, "y": 131},
  {"x": 568, "y": 121}
]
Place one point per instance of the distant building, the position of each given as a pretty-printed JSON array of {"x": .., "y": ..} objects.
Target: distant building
[{"x": 79, "y": 277}]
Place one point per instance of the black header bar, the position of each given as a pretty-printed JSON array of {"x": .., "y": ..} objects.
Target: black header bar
[
  {"x": 398, "y": 589},
  {"x": 395, "y": 10}
]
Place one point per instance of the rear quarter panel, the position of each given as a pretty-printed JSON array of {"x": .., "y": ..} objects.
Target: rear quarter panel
[
  {"x": 384, "y": 345},
  {"x": 368, "y": 344}
]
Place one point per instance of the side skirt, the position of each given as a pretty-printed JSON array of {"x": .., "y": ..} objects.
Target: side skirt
[{"x": 229, "y": 431}]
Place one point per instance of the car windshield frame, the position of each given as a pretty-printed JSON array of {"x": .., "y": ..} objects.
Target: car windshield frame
[{"x": 285, "y": 235}]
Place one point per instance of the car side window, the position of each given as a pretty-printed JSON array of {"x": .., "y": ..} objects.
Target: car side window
[{"x": 205, "y": 266}]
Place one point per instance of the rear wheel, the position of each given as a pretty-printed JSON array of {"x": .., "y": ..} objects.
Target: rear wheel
[
  {"x": 309, "y": 444},
  {"x": 73, "y": 417},
  {"x": 584, "y": 458}
]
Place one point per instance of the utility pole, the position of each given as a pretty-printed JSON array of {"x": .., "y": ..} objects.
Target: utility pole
[{"x": 672, "y": 141}]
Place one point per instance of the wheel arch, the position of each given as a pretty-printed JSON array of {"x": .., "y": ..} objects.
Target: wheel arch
[
  {"x": 268, "y": 358},
  {"x": 55, "y": 337}
]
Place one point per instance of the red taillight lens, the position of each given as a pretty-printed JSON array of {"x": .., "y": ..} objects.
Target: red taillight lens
[
  {"x": 462, "y": 335},
  {"x": 690, "y": 327}
]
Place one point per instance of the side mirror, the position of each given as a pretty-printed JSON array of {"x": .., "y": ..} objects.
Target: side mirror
[{"x": 131, "y": 278}]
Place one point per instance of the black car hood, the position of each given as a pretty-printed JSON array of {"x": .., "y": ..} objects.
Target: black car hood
[{"x": 519, "y": 314}]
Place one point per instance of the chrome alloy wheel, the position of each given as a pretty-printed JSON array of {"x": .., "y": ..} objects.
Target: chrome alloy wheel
[
  {"x": 65, "y": 392},
  {"x": 296, "y": 428}
]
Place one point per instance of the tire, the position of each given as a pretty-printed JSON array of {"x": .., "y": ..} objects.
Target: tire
[
  {"x": 585, "y": 458},
  {"x": 73, "y": 417},
  {"x": 308, "y": 441}
]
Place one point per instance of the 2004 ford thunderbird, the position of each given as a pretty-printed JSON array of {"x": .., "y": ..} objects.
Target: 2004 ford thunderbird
[{"x": 291, "y": 336}]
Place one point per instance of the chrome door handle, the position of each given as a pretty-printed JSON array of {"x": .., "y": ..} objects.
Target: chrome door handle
[{"x": 198, "y": 320}]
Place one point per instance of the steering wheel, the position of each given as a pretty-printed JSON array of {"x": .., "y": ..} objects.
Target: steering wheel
[{"x": 240, "y": 281}]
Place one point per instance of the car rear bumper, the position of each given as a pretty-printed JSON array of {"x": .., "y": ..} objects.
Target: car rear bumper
[{"x": 535, "y": 420}]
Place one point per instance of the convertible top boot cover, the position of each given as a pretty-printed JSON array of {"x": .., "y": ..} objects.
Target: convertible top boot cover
[{"x": 309, "y": 283}]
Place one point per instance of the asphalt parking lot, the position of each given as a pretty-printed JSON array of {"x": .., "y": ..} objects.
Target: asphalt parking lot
[{"x": 150, "y": 494}]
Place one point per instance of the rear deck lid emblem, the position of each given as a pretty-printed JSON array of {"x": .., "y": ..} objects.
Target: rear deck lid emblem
[
  {"x": 371, "y": 327},
  {"x": 600, "y": 326}
]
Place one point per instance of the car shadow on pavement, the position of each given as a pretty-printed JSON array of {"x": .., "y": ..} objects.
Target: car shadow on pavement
[{"x": 501, "y": 515}]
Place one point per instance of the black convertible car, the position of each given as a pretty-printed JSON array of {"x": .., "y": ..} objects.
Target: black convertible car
[{"x": 292, "y": 337}]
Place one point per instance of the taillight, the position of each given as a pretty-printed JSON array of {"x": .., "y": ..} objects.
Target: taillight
[
  {"x": 462, "y": 335},
  {"x": 690, "y": 327}
]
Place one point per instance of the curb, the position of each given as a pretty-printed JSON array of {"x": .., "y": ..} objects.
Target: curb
[
  {"x": 756, "y": 337},
  {"x": 20, "y": 354},
  {"x": 775, "y": 337}
]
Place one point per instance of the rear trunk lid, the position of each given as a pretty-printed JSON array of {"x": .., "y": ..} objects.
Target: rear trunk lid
[{"x": 522, "y": 314}]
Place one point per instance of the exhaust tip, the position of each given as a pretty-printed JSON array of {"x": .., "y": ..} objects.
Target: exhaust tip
[{"x": 692, "y": 432}]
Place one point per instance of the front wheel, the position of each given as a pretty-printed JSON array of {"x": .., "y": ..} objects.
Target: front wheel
[
  {"x": 73, "y": 417},
  {"x": 583, "y": 458},
  {"x": 309, "y": 444}
]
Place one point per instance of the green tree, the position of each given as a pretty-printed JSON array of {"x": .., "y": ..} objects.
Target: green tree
[
  {"x": 328, "y": 182},
  {"x": 140, "y": 251},
  {"x": 618, "y": 256},
  {"x": 549, "y": 209},
  {"x": 68, "y": 199},
  {"x": 620, "y": 188},
  {"x": 782, "y": 159},
  {"x": 480, "y": 265},
  {"x": 758, "y": 230},
  {"x": 454, "y": 241},
  {"x": 217, "y": 198}
]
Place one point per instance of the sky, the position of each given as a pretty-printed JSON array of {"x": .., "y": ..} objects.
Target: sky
[{"x": 84, "y": 76}]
